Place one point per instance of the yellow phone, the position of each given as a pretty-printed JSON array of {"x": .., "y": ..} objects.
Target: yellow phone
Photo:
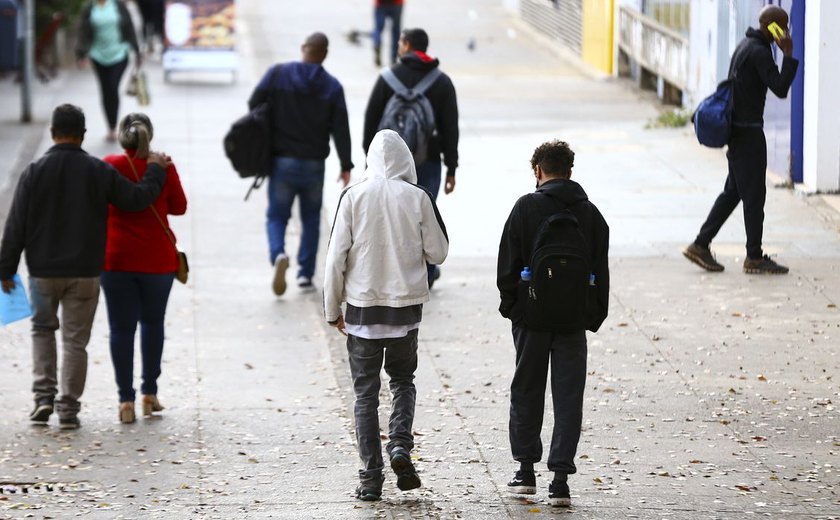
[{"x": 777, "y": 32}]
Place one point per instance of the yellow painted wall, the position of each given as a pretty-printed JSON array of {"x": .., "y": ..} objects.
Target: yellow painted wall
[{"x": 598, "y": 16}]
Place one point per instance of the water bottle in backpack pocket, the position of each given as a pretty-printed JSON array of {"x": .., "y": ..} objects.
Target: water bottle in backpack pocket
[{"x": 562, "y": 287}]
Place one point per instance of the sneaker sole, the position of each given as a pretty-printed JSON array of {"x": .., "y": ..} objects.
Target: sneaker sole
[
  {"x": 69, "y": 426},
  {"x": 523, "y": 490},
  {"x": 560, "y": 502},
  {"x": 763, "y": 271},
  {"x": 279, "y": 283},
  {"x": 406, "y": 474},
  {"x": 699, "y": 261},
  {"x": 368, "y": 497}
]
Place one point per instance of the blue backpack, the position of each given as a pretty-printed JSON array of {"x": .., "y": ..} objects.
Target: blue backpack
[{"x": 713, "y": 117}]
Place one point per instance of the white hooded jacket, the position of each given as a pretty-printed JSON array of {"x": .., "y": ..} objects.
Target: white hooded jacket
[{"x": 386, "y": 228}]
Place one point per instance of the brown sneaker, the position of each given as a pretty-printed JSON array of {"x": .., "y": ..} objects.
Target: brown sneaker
[
  {"x": 703, "y": 257},
  {"x": 763, "y": 265}
]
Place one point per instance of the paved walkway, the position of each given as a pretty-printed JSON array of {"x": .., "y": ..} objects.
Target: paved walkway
[{"x": 709, "y": 396}]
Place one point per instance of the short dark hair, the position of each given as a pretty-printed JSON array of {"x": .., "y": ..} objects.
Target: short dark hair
[
  {"x": 555, "y": 158},
  {"x": 68, "y": 121},
  {"x": 417, "y": 38}
]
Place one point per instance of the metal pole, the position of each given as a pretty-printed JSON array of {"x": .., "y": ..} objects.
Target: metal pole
[{"x": 28, "y": 61}]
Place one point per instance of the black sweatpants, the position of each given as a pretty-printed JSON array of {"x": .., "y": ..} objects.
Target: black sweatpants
[
  {"x": 747, "y": 157},
  {"x": 109, "y": 77},
  {"x": 566, "y": 355}
]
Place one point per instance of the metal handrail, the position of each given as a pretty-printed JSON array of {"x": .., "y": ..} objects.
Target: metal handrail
[{"x": 654, "y": 46}]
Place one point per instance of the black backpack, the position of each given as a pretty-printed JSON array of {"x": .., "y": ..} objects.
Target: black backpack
[
  {"x": 562, "y": 286},
  {"x": 248, "y": 145},
  {"x": 409, "y": 113}
]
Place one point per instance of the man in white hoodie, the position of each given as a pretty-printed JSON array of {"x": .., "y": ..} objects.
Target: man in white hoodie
[{"x": 386, "y": 229}]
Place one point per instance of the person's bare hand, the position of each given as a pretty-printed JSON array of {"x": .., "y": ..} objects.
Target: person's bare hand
[
  {"x": 449, "y": 186},
  {"x": 82, "y": 63},
  {"x": 342, "y": 328},
  {"x": 8, "y": 285},
  {"x": 161, "y": 159},
  {"x": 344, "y": 177},
  {"x": 786, "y": 44}
]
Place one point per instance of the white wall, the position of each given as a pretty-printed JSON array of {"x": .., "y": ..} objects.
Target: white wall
[
  {"x": 511, "y": 5},
  {"x": 821, "y": 150},
  {"x": 708, "y": 48}
]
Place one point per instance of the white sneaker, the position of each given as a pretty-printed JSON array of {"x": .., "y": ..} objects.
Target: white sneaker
[
  {"x": 305, "y": 284},
  {"x": 281, "y": 263}
]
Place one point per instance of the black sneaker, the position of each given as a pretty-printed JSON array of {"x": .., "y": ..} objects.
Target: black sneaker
[
  {"x": 523, "y": 483},
  {"x": 764, "y": 265},
  {"x": 406, "y": 474},
  {"x": 558, "y": 494},
  {"x": 703, "y": 257},
  {"x": 43, "y": 410},
  {"x": 368, "y": 494},
  {"x": 69, "y": 423}
]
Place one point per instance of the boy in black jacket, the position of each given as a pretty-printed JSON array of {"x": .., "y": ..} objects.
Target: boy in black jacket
[{"x": 565, "y": 351}]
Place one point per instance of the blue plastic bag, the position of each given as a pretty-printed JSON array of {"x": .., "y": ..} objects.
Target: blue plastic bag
[
  {"x": 15, "y": 305},
  {"x": 713, "y": 117}
]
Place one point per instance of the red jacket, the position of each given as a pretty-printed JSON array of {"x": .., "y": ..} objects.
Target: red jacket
[{"x": 136, "y": 240}]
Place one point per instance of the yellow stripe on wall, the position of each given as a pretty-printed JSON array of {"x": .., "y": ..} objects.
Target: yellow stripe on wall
[{"x": 597, "y": 48}]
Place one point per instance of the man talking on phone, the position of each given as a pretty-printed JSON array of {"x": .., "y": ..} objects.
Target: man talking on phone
[{"x": 753, "y": 70}]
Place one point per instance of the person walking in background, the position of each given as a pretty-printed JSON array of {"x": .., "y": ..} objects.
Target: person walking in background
[
  {"x": 106, "y": 37},
  {"x": 140, "y": 265},
  {"x": 384, "y": 10},
  {"x": 385, "y": 230},
  {"x": 59, "y": 216},
  {"x": 414, "y": 65},
  {"x": 152, "y": 12},
  {"x": 307, "y": 108},
  {"x": 753, "y": 71},
  {"x": 555, "y": 335}
]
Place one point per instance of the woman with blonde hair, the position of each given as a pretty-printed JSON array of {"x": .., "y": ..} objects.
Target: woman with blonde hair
[{"x": 140, "y": 265}]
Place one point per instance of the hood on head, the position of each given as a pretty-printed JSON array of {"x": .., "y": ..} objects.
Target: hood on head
[{"x": 389, "y": 157}]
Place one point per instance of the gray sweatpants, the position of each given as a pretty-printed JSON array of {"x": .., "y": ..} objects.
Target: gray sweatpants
[
  {"x": 78, "y": 298},
  {"x": 366, "y": 361}
]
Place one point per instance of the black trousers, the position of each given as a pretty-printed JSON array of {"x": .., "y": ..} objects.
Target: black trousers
[
  {"x": 566, "y": 355},
  {"x": 747, "y": 157},
  {"x": 109, "y": 77}
]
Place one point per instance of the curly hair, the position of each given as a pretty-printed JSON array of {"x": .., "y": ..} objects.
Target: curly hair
[{"x": 555, "y": 158}]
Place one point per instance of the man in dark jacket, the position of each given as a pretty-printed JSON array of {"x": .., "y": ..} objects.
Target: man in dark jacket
[
  {"x": 307, "y": 107},
  {"x": 58, "y": 216},
  {"x": 565, "y": 351},
  {"x": 754, "y": 71},
  {"x": 413, "y": 66}
]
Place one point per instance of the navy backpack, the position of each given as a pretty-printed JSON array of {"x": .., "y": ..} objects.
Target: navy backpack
[{"x": 713, "y": 117}]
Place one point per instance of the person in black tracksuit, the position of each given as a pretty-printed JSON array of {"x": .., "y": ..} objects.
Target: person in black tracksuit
[
  {"x": 413, "y": 66},
  {"x": 535, "y": 350},
  {"x": 754, "y": 71}
]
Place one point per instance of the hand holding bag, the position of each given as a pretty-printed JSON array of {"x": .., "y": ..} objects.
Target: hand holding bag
[
  {"x": 138, "y": 87},
  {"x": 183, "y": 272}
]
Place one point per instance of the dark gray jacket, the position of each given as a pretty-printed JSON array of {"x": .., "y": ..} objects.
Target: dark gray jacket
[{"x": 59, "y": 213}]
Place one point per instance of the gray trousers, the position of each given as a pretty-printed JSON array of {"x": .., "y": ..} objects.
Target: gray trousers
[
  {"x": 78, "y": 298},
  {"x": 366, "y": 361}
]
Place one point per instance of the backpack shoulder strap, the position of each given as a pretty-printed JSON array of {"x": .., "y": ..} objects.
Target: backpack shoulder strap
[
  {"x": 392, "y": 81},
  {"x": 427, "y": 81}
]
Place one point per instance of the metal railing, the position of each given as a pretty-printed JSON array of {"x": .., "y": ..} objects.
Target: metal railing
[{"x": 655, "y": 47}]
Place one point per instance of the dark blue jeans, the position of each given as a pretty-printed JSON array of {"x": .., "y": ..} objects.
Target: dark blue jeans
[
  {"x": 290, "y": 178},
  {"x": 428, "y": 176},
  {"x": 380, "y": 14},
  {"x": 367, "y": 356},
  {"x": 133, "y": 298}
]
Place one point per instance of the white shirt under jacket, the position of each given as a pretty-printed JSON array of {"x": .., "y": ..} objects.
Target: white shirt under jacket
[{"x": 386, "y": 228}]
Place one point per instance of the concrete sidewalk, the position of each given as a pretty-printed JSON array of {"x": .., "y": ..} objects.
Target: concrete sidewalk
[{"x": 709, "y": 396}]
